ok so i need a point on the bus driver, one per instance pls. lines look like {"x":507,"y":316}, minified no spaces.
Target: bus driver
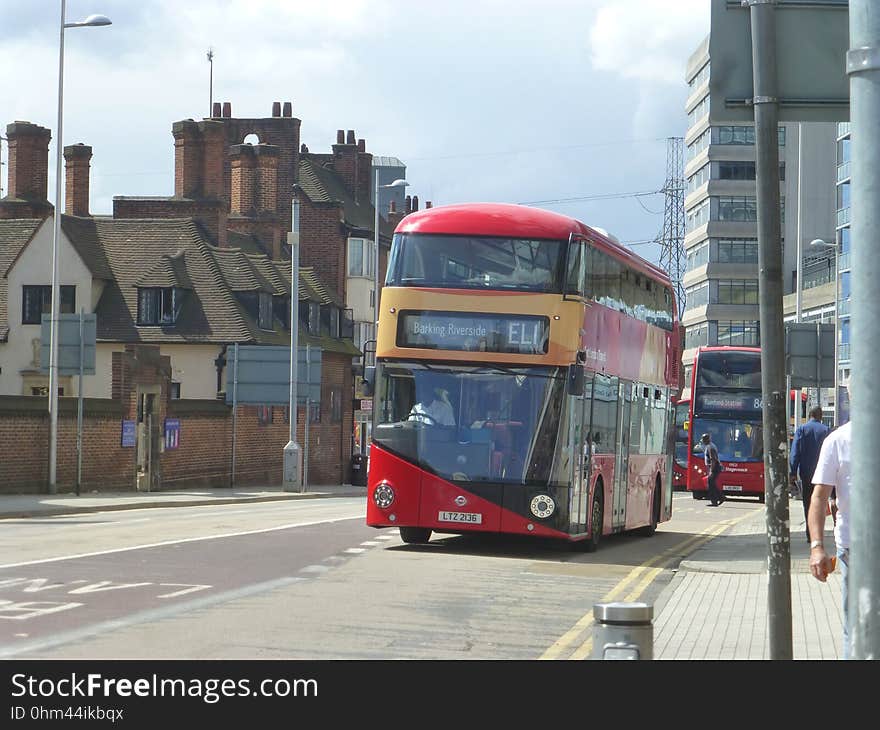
{"x":437,"y":413}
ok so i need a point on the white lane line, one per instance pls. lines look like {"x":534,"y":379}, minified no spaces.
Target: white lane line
{"x":355,"y":551}
{"x":153,"y":614}
{"x":369,"y":543}
{"x":315,"y":569}
{"x":178,"y":542}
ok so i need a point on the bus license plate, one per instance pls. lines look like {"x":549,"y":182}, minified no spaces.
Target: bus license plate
{"x":473,"y":518}
{"x":733,"y":488}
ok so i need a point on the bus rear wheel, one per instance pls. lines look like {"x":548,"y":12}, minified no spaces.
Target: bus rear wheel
{"x":597,"y":519}
{"x":651,"y":528}
{"x":415,"y":535}
{"x":698,"y":495}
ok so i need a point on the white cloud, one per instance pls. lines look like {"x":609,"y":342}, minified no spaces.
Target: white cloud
{"x":649,"y":41}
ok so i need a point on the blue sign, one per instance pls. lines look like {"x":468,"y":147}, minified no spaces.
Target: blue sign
{"x":129,"y":434}
{"x":172,"y":433}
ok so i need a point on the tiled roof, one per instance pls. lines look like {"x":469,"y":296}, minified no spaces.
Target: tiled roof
{"x":169,"y":271}
{"x":131,"y":253}
{"x":247,"y":242}
{"x":324,"y":185}
{"x":14,"y":236}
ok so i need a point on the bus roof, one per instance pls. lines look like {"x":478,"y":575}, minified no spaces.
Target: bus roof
{"x":516,"y":221}
{"x":727,"y":348}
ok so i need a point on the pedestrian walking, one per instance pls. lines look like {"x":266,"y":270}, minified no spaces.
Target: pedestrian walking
{"x":804,"y":455}
{"x":713,"y":469}
{"x":832,"y":474}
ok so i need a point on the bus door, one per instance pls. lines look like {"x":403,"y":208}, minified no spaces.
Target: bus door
{"x":579,"y":479}
{"x":621,"y":464}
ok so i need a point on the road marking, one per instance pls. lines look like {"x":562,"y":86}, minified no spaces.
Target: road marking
{"x":315,"y":569}
{"x":153,"y":614}
{"x":370,"y":543}
{"x":32,"y":609}
{"x":355,"y":551}
{"x":189,"y":588}
{"x":178,"y":542}
{"x":666,"y":558}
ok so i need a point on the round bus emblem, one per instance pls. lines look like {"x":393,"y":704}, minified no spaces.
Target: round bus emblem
{"x":461,"y":500}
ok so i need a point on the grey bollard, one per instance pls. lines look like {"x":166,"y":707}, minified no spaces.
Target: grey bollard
{"x":623,"y":631}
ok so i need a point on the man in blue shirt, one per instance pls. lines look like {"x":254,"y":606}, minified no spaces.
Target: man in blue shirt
{"x":805,"y":454}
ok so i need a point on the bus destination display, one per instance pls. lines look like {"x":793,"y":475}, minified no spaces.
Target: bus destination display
{"x":474,"y":332}
{"x":723,"y":402}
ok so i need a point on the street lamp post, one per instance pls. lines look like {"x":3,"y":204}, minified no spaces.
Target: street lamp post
{"x":399,"y":183}
{"x":91,"y":21}
{"x":818,"y":242}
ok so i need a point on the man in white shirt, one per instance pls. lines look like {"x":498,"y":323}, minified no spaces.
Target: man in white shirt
{"x":437,"y":413}
{"x":832,"y":473}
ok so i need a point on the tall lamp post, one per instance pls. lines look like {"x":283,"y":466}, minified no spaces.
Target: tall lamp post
{"x":399,"y":183}
{"x":91,"y":21}
{"x":819,"y":243}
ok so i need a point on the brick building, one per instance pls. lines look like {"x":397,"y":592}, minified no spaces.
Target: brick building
{"x":189,"y":274}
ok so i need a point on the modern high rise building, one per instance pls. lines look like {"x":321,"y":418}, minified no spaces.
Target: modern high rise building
{"x":721,"y":239}
{"x":844,"y":283}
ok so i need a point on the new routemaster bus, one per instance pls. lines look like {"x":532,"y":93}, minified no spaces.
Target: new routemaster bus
{"x":525,"y":366}
{"x":680,"y":457}
{"x":726,"y":403}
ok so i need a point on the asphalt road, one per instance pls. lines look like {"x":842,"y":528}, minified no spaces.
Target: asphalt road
{"x":309,"y":580}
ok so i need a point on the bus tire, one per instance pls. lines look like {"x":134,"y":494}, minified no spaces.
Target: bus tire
{"x":597,"y":518}
{"x":415,"y":535}
{"x":698,"y":495}
{"x":651,"y":528}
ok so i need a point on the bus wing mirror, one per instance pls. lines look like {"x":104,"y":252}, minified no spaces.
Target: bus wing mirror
{"x":576,"y":380}
{"x":369,"y":380}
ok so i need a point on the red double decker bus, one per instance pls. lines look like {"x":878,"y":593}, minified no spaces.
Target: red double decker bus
{"x":726,"y":403}
{"x":682,"y":444}
{"x":524,"y":380}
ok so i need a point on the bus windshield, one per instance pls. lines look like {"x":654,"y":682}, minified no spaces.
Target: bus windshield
{"x":476,"y":262}
{"x":729,"y":370}
{"x":489,"y":424}
{"x":737,"y":440}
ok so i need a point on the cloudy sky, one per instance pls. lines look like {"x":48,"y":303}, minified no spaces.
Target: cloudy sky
{"x":525,"y":101}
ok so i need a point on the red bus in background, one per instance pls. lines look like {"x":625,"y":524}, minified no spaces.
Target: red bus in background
{"x":680,"y":458}
{"x":525,"y":369}
{"x":726,"y":403}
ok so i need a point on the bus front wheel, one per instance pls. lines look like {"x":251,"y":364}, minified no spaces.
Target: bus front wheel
{"x":651,"y":527}
{"x":415,"y":535}
{"x":698,"y":495}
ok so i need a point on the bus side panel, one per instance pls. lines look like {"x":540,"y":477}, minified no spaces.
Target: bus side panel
{"x":639,"y":502}
{"x":404,"y":478}
{"x":603,"y":468}
{"x":517,"y":515}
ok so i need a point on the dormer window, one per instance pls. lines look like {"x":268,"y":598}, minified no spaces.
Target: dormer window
{"x":265,"y":313}
{"x":158,"y":305}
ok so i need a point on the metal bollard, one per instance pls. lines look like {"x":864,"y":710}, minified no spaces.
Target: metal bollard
{"x":623,"y":631}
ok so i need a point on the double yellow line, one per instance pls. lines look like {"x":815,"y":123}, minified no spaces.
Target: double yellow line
{"x":644,"y":574}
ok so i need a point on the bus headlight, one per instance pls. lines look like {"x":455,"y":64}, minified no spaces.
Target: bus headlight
{"x":383,"y":496}
{"x":542,"y":506}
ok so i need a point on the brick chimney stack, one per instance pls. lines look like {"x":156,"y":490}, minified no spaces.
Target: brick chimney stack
{"x":77,"y":160}
{"x":345,"y":161}
{"x":28,"y":176}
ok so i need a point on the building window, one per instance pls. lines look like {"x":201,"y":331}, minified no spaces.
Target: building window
{"x":699,"y":144}
{"x":37,"y":301}
{"x":743,"y":208}
{"x":157,"y":306}
{"x":698,"y":256}
{"x":699,"y":111}
{"x":736,"y":170}
{"x":737,"y":251}
{"x":175,"y":391}
{"x":746,"y":333}
{"x":697,"y":296}
{"x":314,"y":412}
{"x":334,"y":322}
{"x":696,"y":335}
{"x":265,"y":311}
{"x":688,"y":374}
{"x":701,"y":78}
{"x":361,"y":253}
{"x":697,"y":216}
{"x":698,"y":179}
{"x":737,"y":291}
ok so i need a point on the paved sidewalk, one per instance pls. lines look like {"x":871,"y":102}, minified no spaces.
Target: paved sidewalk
{"x":716,"y":605}
{"x":33,"y":505}
{"x":714,"y":608}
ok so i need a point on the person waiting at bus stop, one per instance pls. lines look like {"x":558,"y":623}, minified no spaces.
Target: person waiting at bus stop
{"x":805,"y":454}
{"x":713,"y":469}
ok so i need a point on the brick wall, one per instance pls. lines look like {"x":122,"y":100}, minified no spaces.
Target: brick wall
{"x":322,"y":242}
{"x":204,"y":454}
